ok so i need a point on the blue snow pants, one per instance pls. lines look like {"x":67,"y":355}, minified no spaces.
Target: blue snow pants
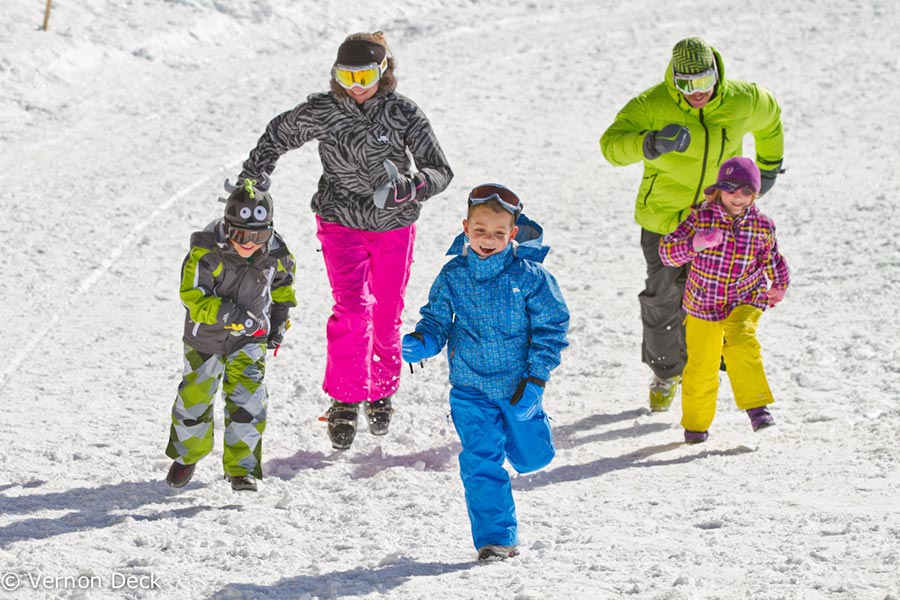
{"x":489,"y":433}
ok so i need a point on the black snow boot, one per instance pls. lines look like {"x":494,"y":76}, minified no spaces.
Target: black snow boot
{"x":342,"y":417}
{"x":180,"y":475}
{"x":378,"y":414}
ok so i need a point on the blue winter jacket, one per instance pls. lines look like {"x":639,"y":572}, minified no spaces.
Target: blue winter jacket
{"x":503,"y":317}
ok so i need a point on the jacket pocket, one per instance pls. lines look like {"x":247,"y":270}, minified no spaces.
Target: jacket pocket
{"x":514,"y":320}
{"x":649,"y":182}
{"x":694,"y":293}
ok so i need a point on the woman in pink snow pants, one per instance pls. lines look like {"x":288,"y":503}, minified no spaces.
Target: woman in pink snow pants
{"x":381,"y":161}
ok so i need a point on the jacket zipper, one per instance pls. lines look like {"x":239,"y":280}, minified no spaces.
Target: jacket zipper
{"x":705,"y":157}
{"x":722,"y":149}
{"x":729,"y":276}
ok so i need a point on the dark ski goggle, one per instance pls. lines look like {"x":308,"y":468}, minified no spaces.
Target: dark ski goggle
{"x":249,"y":236}
{"x":494,"y":191}
{"x":735,"y":186}
{"x":699,"y":83}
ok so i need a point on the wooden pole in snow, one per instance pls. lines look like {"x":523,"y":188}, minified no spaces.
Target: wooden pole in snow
{"x":47,"y":14}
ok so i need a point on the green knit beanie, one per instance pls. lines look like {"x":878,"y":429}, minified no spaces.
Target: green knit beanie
{"x":691,"y":56}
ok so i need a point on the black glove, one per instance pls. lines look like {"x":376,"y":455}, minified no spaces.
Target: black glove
{"x":279,"y":323}
{"x":276,"y":336}
{"x":671,"y":138}
{"x":399,"y":189}
{"x":767,"y":179}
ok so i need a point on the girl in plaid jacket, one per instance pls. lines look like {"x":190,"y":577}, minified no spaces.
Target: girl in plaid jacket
{"x":736,"y":273}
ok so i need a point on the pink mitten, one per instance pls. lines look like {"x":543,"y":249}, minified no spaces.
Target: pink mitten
{"x":775,"y":295}
{"x":708,"y":238}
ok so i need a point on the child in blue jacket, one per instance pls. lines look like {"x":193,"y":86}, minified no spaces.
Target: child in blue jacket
{"x":504,"y":321}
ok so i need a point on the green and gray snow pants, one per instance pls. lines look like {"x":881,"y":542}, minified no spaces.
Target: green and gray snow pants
{"x":191,"y":435}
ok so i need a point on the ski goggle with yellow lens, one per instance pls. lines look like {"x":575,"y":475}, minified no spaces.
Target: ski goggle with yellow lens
{"x":694,"y":84}
{"x":365,"y":76}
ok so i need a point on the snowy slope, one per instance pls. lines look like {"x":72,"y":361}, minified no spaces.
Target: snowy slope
{"x":117,"y":128}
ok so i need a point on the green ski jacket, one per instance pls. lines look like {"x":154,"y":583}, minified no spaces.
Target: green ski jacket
{"x":674,"y":182}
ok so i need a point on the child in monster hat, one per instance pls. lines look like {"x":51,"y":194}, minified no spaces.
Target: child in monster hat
{"x":237,"y":288}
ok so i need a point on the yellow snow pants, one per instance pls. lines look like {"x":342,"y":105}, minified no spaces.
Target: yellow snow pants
{"x":735,"y":340}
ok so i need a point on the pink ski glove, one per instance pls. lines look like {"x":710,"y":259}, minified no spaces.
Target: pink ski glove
{"x":775,"y":295}
{"x":708,"y":238}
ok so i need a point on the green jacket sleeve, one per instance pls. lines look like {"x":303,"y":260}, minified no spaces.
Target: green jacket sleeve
{"x":197,"y":281}
{"x":283,"y":282}
{"x":767,"y":130}
{"x":621,"y":142}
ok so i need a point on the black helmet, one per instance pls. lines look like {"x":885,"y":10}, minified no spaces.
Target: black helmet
{"x":248,"y":212}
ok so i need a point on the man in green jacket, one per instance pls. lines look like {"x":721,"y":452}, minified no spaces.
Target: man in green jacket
{"x":682,"y":129}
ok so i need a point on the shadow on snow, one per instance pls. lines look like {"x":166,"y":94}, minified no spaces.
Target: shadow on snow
{"x":602,"y":466}
{"x":368,"y":464}
{"x":360,"y":581}
{"x":92,"y":508}
{"x":568,"y":436}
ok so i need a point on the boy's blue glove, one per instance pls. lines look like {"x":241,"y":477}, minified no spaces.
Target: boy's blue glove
{"x":417,"y":347}
{"x":528,"y":398}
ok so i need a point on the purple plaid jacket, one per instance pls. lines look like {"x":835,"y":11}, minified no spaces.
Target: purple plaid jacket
{"x":732,"y":273}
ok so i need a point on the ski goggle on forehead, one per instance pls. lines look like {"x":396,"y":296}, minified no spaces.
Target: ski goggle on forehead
{"x":249,"y":236}
{"x":365,"y":76}
{"x":494,"y":191}
{"x":699,"y":83}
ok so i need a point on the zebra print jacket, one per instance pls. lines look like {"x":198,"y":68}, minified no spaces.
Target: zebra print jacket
{"x":354,"y":142}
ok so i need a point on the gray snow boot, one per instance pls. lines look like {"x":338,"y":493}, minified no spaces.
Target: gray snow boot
{"x":241,"y":483}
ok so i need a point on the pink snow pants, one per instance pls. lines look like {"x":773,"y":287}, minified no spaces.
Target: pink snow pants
{"x":368,"y":272}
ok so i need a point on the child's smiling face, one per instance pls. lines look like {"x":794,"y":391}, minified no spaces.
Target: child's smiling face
{"x":245,"y":250}
{"x":736,"y":202}
{"x":489,"y":232}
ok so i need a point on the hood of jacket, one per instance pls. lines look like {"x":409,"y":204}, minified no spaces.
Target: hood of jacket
{"x":528,"y":243}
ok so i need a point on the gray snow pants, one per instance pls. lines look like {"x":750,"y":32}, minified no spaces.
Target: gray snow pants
{"x":663,"y":347}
